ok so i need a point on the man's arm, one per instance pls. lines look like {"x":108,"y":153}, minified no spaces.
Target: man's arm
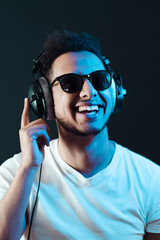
{"x":33,"y":138}
{"x":151,"y":236}
{"x":14,"y":203}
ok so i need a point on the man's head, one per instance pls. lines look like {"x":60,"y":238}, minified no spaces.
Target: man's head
{"x":73,"y":53}
{"x":84,"y":112}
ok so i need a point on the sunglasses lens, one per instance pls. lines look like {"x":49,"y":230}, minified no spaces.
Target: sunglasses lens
{"x":71,"y":83}
{"x":101,"y":80}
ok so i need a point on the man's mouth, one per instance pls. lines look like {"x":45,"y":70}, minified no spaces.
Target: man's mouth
{"x":88,"y":109}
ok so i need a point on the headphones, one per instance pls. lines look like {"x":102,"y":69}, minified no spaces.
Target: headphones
{"x":40,"y":95}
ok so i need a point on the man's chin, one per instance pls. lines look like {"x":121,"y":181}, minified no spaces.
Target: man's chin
{"x":73,"y":130}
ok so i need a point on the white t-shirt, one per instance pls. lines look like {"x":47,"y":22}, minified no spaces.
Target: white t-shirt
{"x":120,"y":202}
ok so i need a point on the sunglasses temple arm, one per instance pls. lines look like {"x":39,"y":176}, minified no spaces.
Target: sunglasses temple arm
{"x":51,"y":84}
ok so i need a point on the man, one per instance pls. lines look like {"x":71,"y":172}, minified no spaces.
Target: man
{"x":90,"y":187}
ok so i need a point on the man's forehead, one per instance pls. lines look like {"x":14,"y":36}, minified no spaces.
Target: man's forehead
{"x":72,"y":61}
{"x":74,"y":55}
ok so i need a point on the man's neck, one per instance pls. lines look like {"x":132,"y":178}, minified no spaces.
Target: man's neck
{"x":86,"y":154}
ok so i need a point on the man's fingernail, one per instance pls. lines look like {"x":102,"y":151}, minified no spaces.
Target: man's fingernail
{"x":25,"y":100}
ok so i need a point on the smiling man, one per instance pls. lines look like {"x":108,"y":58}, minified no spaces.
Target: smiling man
{"x":81,"y":185}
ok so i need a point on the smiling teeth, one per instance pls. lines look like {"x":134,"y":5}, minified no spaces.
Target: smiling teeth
{"x":88,"y":108}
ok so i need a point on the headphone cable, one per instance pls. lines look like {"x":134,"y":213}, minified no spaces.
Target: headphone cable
{"x":30,"y":225}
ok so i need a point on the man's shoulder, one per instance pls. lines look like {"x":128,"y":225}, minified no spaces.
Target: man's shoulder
{"x":13,"y":161}
{"x":142,"y":173}
{"x":135,"y":159}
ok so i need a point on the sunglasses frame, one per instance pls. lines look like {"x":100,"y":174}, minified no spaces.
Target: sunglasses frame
{"x":83,"y":78}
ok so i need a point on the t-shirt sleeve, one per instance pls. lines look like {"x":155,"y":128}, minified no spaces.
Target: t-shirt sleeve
{"x":153,"y":215}
{"x":7,"y":173}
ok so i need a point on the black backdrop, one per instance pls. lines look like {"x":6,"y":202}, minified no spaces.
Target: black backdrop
{"x":130,"y":34}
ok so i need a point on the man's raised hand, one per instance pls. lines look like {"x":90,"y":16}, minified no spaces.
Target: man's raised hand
{"x":33,"y":137}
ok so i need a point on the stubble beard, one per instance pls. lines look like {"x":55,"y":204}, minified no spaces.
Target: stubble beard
{"x":73,"y":130}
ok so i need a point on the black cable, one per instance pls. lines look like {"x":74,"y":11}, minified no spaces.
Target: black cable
{"x":30,"y":225}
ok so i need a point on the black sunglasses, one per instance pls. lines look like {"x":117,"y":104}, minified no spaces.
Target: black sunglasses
{"x":72,"y":82}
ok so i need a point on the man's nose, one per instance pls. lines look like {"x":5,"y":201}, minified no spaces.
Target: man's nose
{"x":87,"y":91}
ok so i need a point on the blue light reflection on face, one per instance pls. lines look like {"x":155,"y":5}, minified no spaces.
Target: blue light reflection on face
{"x":83,"y":63}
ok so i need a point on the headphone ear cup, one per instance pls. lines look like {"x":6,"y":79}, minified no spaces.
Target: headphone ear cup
{"x":120,"y":92}
{"x":48,"y":98}
{"x":113,"y":96}
{"x":40,"y":99}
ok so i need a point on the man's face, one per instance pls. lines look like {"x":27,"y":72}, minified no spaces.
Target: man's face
{"x":71,"y":110}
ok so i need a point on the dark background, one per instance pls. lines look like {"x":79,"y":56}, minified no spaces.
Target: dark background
{"x":130,"y":34}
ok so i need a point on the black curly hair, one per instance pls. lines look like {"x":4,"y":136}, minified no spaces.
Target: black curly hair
{"x":64,"y":41}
